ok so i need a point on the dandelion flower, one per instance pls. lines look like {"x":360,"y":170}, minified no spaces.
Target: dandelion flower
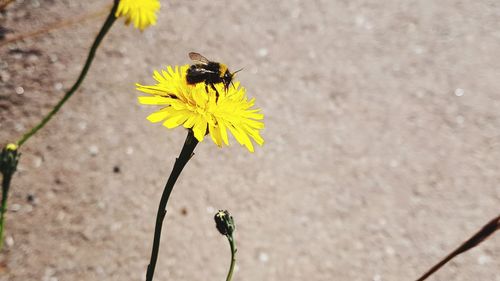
{"x":205,"y":113}
{"x":141,"y":12}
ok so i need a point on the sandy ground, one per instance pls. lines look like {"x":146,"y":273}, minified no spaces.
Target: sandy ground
{"x":382,"y":142}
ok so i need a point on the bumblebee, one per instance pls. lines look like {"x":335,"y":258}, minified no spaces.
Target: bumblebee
{"x":209,"y":72}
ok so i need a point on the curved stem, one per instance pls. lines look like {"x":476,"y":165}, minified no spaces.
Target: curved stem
{"x":232,"y":245}
{"x":485,"y":232}
{"x":180,"y":162}
{"x":5,"y":192}
{"x":104,"y":29}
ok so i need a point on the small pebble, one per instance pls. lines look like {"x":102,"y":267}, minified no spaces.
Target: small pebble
{"x":50,"y":194}
{"x":263,"y":52}
{"x":418,"y":50}
{"x":58,"y":86}
{"x":37,"y":162}
{"x":482,"y":260}
{"x":9,"y":241}
{"x":360,"y":20}
{"x":93,"y":150}
{"x":115,"y":226}
{"x":101,"y":205}
{"x":263,"y":257}
{"x":15,"y":207}
{"x":32,"y":58}
{"x":49,"y":271}
{"x":116,"y":169}
{"x":60,"y":216}
{"x":19,"y":127}
{"x":100,"y":270}
{"x":31,"y":198}
{"x":53,"y":58}
{"x":4,"y":76}
{"x":82,"y":125}
{"x":390,"y":251}
{"x":459,"y":92}
{"x":19,"y":90}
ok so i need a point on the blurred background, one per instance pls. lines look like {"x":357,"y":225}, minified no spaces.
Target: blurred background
{"x":381,"y":156}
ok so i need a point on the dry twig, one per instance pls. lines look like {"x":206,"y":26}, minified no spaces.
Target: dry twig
{"x":54,"y":26}
{"x":472,"y":242}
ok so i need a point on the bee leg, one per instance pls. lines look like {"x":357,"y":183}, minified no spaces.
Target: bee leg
{"x":216,"y":92}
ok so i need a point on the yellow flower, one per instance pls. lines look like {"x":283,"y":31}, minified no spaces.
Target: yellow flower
{"x":141,"y":12}
{"x":204,"y":113}
{"x":11,"y":146}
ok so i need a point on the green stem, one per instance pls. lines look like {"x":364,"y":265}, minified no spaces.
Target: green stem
{"x":5,"y":192}
{"x":180,"y":162}
{"x":104,"y":29}
{"x":232,"y":245}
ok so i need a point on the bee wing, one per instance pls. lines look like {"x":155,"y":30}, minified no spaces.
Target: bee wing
{"x":198,"y":58}
{"x":199,"y":68}
{"x":203,"y":70}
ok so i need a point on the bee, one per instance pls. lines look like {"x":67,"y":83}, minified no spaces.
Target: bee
{"x":209,"y":72}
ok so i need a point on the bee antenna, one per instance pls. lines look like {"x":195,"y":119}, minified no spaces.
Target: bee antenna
{"x":237,"y":71}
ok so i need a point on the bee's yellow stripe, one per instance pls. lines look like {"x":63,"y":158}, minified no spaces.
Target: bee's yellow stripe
{"x":222,"y":69}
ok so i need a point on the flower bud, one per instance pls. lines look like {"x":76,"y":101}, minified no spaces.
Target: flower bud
{"x":224,"y":222}
{"x":9,"y":156}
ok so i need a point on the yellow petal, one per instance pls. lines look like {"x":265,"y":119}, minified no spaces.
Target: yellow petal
{"x":175,"y":121}
{"x":215,"y":134}
{"x":155,"y":100}
{"x":157,"y":116}
{"x":200,"y":129}
{"x":191,"y":120}
{"x":241,"y":138}
{"x":223,"y":132}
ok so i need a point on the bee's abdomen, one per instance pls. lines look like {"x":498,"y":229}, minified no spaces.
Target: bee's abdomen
{"x":194,"y":76}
